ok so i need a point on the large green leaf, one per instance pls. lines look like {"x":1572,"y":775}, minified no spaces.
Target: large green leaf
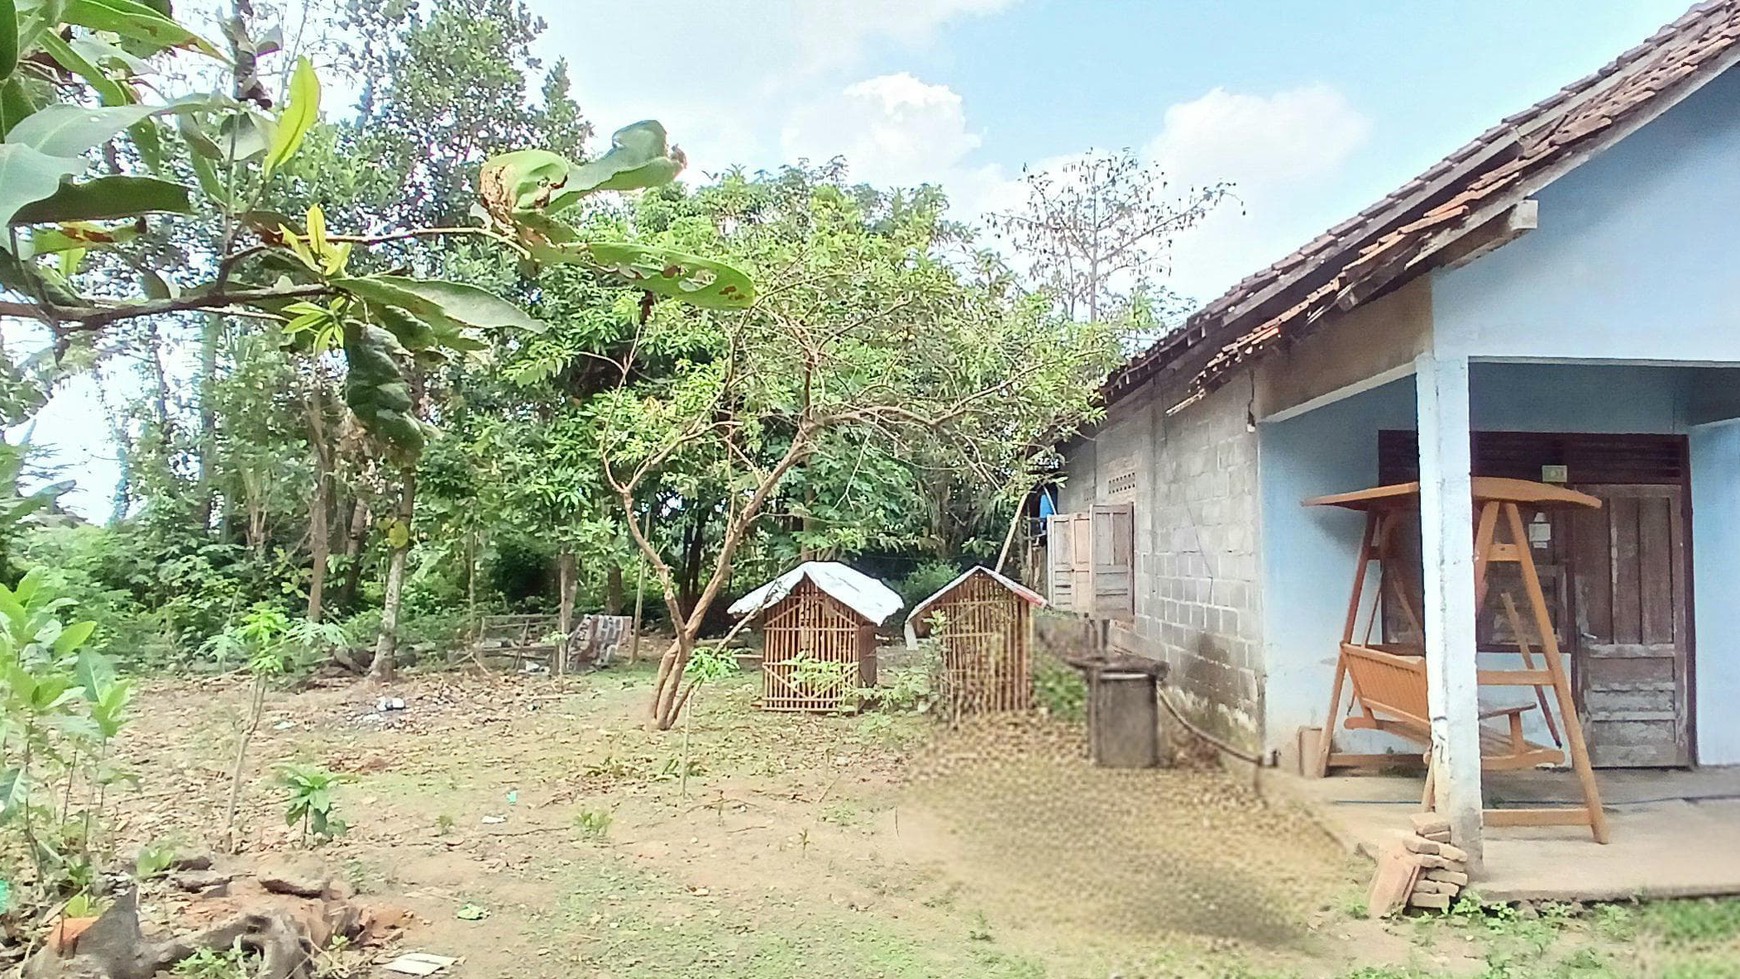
{"x":27,"y":176}
{"x":15,"y":104}
{"x":300,"y":113}
{"x":521,"y":181}
{"x":69,"y":130}
{"x":697,"y":281}
{"x":110,"y":91}
{"x":441,"y":303}
{"x":8,"y":39}
{"x":139,"y":21}
{"x":639,"y":157}
{"x":106,"y":199}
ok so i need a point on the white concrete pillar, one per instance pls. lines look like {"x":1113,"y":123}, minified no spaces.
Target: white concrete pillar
{"x":1447,"y":549}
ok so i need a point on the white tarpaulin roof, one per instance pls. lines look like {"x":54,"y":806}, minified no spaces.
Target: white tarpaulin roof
{"x":854,"y":589}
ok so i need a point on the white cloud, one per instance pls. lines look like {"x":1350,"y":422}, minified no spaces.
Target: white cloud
{"x":1281,"y":152}
{"x":835,"y":33}
{"x":893,"y":129}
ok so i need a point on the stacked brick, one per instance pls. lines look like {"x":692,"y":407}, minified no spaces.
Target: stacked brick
{"x":1423,"y":870}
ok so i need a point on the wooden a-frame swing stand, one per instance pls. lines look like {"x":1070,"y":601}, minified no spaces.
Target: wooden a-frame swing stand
{"x":1388,"y":681}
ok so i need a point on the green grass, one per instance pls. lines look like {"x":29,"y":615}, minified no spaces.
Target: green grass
{"x":639,"y":925}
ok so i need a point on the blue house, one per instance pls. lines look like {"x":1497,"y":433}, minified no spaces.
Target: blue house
{"x":1558,"y":300}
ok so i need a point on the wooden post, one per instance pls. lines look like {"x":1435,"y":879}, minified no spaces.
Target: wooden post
{"x":639,"y":607}
{"x":1447,"y":550}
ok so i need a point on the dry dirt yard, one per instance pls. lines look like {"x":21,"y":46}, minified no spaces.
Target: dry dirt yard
{"x":764,"y":845}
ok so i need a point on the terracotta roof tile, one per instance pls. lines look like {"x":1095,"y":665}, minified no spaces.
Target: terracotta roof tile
{"x":1393,"y":237}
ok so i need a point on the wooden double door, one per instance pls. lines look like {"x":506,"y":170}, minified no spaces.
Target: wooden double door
{"x":1618,"y":580}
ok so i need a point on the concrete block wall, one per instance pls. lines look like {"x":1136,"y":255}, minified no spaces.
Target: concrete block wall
{"x":1198,"y":601}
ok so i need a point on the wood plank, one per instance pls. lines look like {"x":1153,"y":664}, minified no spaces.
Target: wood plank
{"x":1515,"y":678}
{"x":1574,"y":816}
{"x":1627,"y":604}
{"x":1655,"y":569}
{"x":1592,"y":573}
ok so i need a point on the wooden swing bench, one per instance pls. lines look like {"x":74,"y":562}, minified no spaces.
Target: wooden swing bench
{"x":1389,"y":689}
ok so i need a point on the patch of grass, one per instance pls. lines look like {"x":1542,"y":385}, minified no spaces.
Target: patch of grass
{"x":593,"y":824}
{"x":1691,"y":922}
{"x":640,"y":925}
{"x":842,"y":814}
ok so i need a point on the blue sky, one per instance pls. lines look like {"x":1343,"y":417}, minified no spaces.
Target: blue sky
{"x":1312,"y":108}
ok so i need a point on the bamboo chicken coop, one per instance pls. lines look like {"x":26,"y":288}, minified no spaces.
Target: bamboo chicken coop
{"x":984,"y":624}
{"x":818,"y":625}
{"x":1388,"y":680}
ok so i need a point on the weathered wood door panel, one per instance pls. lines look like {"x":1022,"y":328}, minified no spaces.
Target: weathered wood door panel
{"x":1629,"y":574}
{"x":1093,"y":561}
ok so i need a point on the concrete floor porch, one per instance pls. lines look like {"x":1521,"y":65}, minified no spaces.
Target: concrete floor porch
{"x":1674,"y":833}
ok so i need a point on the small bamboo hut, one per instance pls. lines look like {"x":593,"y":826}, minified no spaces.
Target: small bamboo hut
{"x":819,"y":627}
{"x":987,"y":640}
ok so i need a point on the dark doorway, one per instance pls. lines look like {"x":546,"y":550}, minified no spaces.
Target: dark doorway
{"x":1618,"y":579}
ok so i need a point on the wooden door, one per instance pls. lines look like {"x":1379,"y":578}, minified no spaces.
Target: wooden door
{"x":1633,"y":634}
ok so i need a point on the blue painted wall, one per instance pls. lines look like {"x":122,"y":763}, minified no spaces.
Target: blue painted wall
{"x":1715,"y":453}
{"x":1309,"y":552}
{"x":1634,"y":259}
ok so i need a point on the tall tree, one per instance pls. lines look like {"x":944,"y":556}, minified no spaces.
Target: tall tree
{"x":1098,"y":232}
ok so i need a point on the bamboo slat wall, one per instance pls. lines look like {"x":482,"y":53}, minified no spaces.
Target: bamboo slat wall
{"x":987,"y":640}
{"x":816,"y":652}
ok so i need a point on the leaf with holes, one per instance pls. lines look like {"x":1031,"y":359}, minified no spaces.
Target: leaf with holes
{"x":697,"y":281}
{"x":104,"y":199}
{"x":639,"y":157}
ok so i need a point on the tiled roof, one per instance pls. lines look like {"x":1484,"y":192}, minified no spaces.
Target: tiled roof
{"x":1411,"y":230}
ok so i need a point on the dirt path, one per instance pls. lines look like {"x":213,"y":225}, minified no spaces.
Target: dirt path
{"x":795,"y":846}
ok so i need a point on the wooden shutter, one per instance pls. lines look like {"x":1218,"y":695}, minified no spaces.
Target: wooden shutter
{"x":1114,"y":558}
{"x":1092,"y":558}
{"x":1069,"y":541}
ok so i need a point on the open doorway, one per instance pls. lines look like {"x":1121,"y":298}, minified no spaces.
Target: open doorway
{"x":1618,"y":579}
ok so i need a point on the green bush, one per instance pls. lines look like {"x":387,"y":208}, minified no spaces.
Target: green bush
{"x":1059,"y":688}
{"x":926,"y":580}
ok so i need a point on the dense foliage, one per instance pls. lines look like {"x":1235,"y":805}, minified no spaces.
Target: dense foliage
{"x":396,"y":365}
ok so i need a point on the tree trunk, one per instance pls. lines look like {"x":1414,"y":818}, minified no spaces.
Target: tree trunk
{"x":613,"y":590}
{"x":319,"y":535}
{"x":565,"y":574}
{"x":206,"y":491}
{"x":387,"y":643}
{"x":355,"y":537}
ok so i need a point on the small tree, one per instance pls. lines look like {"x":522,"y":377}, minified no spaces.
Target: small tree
{"x":1097,"y":233}
{"x":864,"y":335}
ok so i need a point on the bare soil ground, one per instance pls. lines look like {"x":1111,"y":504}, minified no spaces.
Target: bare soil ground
{"x":766,"y":845}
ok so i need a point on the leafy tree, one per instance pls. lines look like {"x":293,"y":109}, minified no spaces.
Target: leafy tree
{"x":868,"y":336}
{"x":192,"y":179}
